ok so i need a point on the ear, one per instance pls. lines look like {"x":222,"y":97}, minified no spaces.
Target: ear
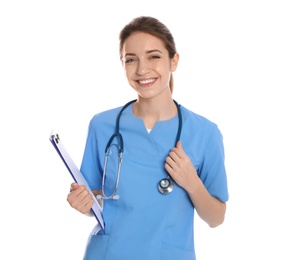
{"x":174,"y":62}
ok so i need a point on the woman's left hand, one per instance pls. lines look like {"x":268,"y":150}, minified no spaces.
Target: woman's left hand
{"x":180,"y":168}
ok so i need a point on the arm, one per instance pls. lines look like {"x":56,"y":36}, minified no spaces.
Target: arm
{"x":210,"y":209}
{"x":181,"y":169}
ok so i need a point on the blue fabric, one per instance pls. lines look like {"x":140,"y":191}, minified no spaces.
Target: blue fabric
{"x":144,"y":224}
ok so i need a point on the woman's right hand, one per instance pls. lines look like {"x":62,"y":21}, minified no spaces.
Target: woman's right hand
{"x":79,"y":198}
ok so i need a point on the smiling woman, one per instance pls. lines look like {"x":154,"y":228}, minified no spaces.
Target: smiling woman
{"x":148,"y":65}
{"x":160,"y":140}
{"x":60,"y":64}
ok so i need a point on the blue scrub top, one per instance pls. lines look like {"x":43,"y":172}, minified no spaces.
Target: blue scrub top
{"x":143,"y":223}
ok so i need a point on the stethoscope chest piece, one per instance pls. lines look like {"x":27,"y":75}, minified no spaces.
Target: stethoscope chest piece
{"x":166,"y":185}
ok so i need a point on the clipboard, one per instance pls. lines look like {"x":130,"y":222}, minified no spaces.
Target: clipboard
{"x":76,"y":175}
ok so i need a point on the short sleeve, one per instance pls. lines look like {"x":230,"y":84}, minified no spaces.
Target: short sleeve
{"x":213,"y":172}
{"x":90,"y":166}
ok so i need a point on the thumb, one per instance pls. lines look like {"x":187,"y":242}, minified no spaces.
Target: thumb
{"x":179,"y":144}
{"x":74,"y":186}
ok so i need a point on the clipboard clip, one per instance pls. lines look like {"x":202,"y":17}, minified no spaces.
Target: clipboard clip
{"x":55,"y":137}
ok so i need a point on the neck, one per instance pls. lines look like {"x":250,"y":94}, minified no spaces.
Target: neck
{"x":151,"y":111}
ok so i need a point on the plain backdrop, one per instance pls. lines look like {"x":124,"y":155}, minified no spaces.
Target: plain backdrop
{"x":59,"y":65}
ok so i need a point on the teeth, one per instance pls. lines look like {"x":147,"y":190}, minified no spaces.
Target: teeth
{"x":146,"y":81}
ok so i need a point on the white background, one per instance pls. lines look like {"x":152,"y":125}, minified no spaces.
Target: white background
{"x":59,"y":65}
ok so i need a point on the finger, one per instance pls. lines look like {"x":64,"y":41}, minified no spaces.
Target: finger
{"x":76,"y":194}
{"x":74,"y":186}
{"x":85,"y":204}
{"x":179,"y":149}
{"x":169,"y":169}
{"x":80,"y":200}
{"x":87,"y":208}
{"x":81,"y":192}
{"x":174,"y":155}
{"x":169,"y":161}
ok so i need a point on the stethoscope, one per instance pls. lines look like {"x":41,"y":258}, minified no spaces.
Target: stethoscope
{"x":165,"y":185}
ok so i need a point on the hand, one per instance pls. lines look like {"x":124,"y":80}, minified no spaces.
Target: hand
{"x":180,"y":168}
{"x":79,"y":198}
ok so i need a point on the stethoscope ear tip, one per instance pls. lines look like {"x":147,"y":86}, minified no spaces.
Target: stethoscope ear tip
{"x":99,"y":197}
{"x":116,"y":197}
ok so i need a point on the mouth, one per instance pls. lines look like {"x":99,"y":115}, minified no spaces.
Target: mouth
{"x":146,"y":82}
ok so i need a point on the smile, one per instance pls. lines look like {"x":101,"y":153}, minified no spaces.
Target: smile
{"x":146,"y":81}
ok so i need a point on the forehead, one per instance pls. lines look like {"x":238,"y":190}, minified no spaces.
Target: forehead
{"x":142,"y":42}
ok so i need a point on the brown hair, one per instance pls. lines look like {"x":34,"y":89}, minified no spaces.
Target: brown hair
{"x":154,"y":27}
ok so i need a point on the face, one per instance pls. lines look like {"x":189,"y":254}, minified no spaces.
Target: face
{"x":147,"y":64}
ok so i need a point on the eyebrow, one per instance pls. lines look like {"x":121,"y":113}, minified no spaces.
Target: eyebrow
{"x":150,"y":51}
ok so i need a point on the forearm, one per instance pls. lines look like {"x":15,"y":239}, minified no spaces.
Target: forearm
{"x":210,"y":209}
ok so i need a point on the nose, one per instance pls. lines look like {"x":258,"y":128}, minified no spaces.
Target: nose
{"x":143,"y":67}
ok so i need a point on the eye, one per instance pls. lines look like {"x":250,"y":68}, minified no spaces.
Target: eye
{"x":153,"y":57}
{"x":129,"y":60}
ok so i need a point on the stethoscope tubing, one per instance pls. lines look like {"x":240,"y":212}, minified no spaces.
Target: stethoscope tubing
{"x":165,"y":186}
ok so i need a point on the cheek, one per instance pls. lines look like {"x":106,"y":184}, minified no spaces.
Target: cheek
{"x":164,"y":71}
{"x":162,"y":67}
{"x":128,"y":74}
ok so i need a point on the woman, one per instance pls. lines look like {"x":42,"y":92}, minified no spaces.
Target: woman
{"x":161,"y":140}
